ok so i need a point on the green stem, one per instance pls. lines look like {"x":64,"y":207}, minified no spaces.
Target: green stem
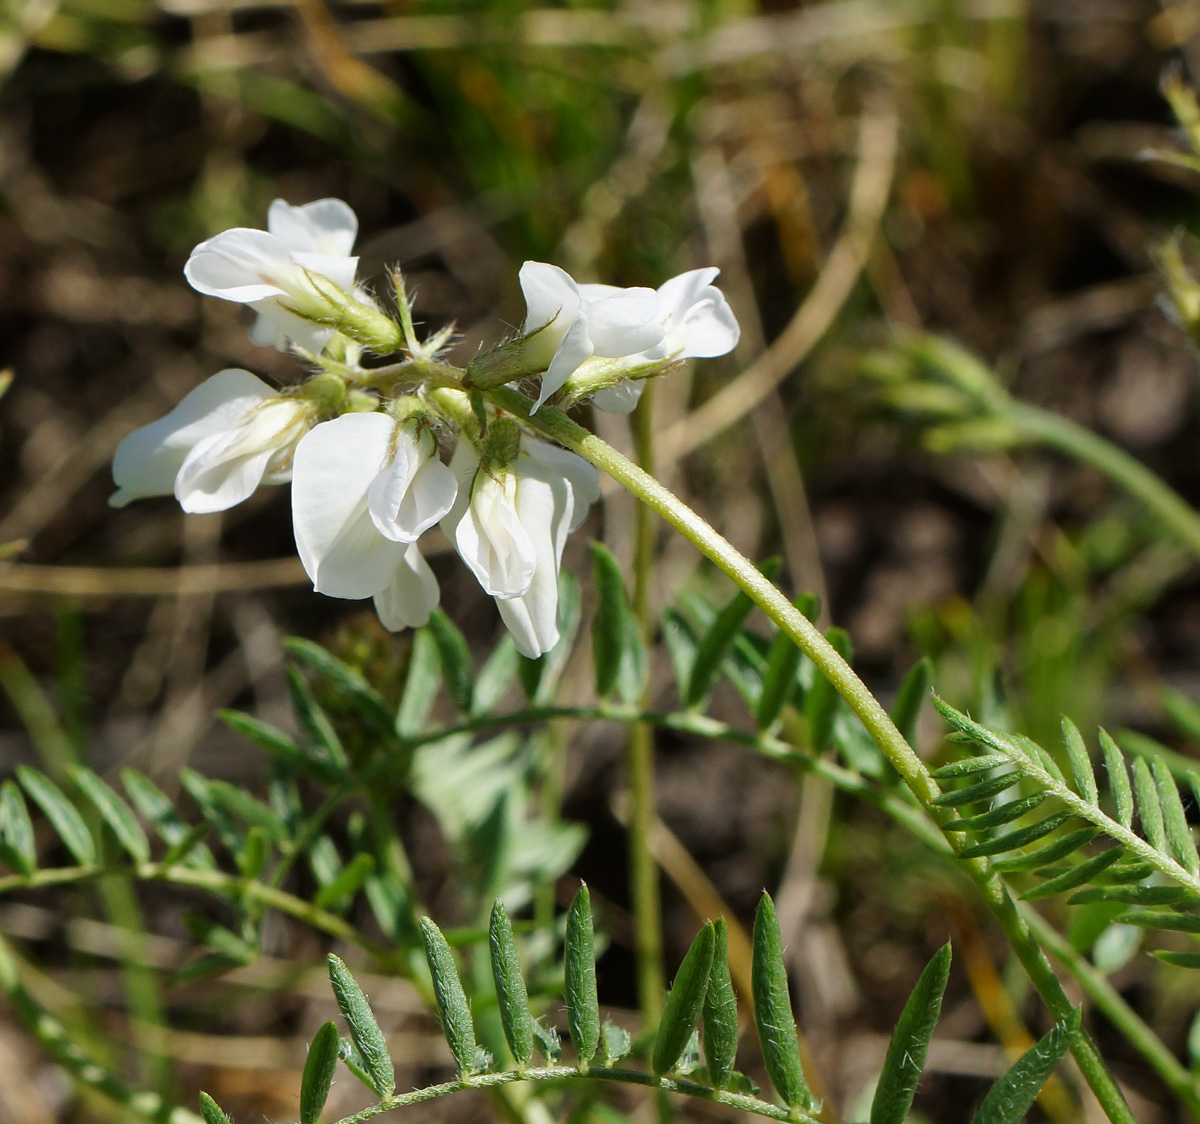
{"x":1037,"y":425}
{"x":1177,"y":1077}
{"x":555,"y":424}
{"x":639,"y":756}
{"x":597,"y":1073}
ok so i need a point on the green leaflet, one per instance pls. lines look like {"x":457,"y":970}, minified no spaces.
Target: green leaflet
{"x":324,"y":744}
{"x":277,"y":744}
{"x":970,"y":765}
{"x":1050,"y":853}
{"x":1013,"y":1094}
{"x":16,"y":830}
{"x":1179,"y":834}
{"x":114,"y":811}
{"x":154,"y":806}
{"x":1020,"y":838}
{"x":455,"y":658}
{"x":910,"y":1041}
{"x":350,"y":684}
{"x":1003,"y":814}
{"x":1081,"y":763}
{"x":420,"y":685}
{"x":823,"y":702}
{"x":773,"y":1010}
{"x":494,"y":677}
{"x":337,"y":892}
{"x":1118,"y":779}
{"x":779,"y":682}
{"x":364,"y":1030}
{"x":319,"y":1068}
{"x":719,"y":639}
{"x":1161,"y":919}
{"x":511,"y":995}
{"x":983,"y":790}
{"x":211,"y":1111}
{"x":1076,"y":876}
{"x":618,"y":652}
{"x":1150,"y":812}
{"x":1178,"y":959}
{"x":583,"y":1006}
{"x":451,"y":999}
{"x":906,"y":710}
{"x":720,"y":1012}
{"x":61,"y":813}
{"x":684,"y":1002}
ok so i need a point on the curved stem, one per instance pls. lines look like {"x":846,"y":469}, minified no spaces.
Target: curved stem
{"x":1048,"y":428}
{"x":598,"y":1073}
{"x":870,"y":712}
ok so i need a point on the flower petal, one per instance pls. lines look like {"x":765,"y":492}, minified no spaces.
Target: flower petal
{"x":148,"y":460}
{"x":332,"y":470}
{"x":574,"y":349}
{"x":545,"y":504}
{"x":412,"y":493}
{"x":550,"y":295}
{"x":624,"y":323}
{"x":491,"y":539}
{"x":678,"y":294}
{"x":412,"y":594}
{"x":621,"y":397}
{"x":583,"y":479}
{"x":325,"y":226}
{"x":211,"y":478}
{"x":239,"y":265}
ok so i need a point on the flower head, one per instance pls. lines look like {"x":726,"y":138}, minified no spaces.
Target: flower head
{"x":230,"y":434}
{"x":282,"y":268}
{"x":364,"y":488}
{"x":510,"y":524}
{"x":566,"y":323}
{"x":697,"y":324}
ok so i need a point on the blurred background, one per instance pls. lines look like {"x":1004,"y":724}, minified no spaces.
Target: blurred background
{"x":968,"y":167}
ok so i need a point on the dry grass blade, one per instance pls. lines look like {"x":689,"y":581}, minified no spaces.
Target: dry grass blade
{"x":149,"y":581}
{"x":877,"y":143}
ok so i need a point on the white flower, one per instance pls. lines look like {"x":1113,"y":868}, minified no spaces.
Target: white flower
{"x":267,"y":269}
{"x":230,"y":434}
{"x":697,"y":324}
{"x":567,"y":323}
{"x":364,"y":488}
{"x":510,"y":526}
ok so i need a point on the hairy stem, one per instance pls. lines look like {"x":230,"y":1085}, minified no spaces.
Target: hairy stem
{"x":599,"y":1073}
{"x":870,"y":712}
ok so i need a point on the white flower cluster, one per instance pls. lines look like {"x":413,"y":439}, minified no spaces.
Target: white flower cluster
{"x":361,"y":445}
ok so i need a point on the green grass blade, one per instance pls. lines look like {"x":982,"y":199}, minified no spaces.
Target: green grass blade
{"x":910,"y":1041}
